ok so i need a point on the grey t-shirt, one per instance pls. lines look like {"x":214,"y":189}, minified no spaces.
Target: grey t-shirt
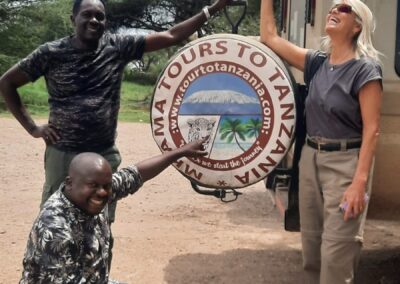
{"x":84,"y":87}
{"x":332,"y":105}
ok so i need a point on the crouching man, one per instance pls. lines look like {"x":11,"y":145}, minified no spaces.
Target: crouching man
{"x":69,"y":240}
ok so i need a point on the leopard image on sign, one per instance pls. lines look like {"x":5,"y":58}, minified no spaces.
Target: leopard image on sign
{"x":234,"y":90}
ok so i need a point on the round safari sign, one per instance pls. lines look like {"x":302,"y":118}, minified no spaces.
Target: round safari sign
{"x":234,"y":90}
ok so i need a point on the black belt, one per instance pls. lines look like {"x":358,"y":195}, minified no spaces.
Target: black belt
{"x":332,"y":146}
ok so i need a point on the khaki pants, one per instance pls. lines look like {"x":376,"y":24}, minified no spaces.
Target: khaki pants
{"x":56,"y":164}
{"x":331,"y":246}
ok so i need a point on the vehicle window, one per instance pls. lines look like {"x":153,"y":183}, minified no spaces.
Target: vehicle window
{"x":297,"y":22}
{"x":311,"y":12}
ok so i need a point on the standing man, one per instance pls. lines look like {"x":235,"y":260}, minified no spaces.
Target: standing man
{"x":83,"y":73}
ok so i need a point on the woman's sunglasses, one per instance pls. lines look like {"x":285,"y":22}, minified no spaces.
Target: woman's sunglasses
{"x":342,"y":8}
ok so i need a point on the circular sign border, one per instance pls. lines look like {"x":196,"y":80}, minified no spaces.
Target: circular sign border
{"x":278,"y":62}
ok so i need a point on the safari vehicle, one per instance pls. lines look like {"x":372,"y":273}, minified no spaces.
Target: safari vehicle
{"x":303,"y":22}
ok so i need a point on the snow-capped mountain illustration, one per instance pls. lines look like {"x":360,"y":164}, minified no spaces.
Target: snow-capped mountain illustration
{"x":220,"y":102}
{"x":220,"y":97}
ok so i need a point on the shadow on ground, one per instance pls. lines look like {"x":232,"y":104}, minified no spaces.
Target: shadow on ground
{"x":272,"y":266}
{"x":236,"y":267}
{"x":380,"y":266}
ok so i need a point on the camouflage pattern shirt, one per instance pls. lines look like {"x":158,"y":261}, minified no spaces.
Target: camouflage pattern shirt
{"x":68,"y":246}
{"x":84,"y":87}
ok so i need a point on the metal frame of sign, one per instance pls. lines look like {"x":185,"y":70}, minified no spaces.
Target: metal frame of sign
{"x":397,"y":52}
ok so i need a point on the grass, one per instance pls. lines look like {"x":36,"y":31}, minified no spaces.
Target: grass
{"x":135,"y":101}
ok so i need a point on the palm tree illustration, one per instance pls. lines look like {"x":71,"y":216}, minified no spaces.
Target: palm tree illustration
{"x":253,"y":127}
{"x":232,"y":129}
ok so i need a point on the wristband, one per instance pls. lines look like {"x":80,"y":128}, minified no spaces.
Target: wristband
{"x":206,"y":13}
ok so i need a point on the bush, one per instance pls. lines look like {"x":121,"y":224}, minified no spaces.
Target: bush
{"x":143,"y":78}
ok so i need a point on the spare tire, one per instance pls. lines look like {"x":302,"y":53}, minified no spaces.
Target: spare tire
{"x":237,"y":91}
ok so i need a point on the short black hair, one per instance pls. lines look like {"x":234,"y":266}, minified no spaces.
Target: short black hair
{"x":77,"y":5}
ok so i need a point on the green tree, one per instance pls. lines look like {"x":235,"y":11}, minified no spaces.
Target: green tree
{"x":231,"y":130}
{"x":28,"y":24}
{"x":155,"y":15}
{"x":253,"y":127}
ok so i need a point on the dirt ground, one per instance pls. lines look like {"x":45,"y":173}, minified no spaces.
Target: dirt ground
{"x":167,"y":233}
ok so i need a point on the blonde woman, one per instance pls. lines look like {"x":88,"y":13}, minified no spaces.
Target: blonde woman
{"x":342,"y":119}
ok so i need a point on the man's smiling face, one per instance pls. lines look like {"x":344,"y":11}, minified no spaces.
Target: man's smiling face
{"x":88,"y":185}
{"x":90,"y":21}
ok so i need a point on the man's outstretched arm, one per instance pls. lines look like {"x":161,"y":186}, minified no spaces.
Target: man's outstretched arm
{"x":128,"y":180}
{"x":151,"y":167}
{"x":183,"y":30}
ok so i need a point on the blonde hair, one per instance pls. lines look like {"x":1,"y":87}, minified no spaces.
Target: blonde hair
{"x":363,"y":40}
